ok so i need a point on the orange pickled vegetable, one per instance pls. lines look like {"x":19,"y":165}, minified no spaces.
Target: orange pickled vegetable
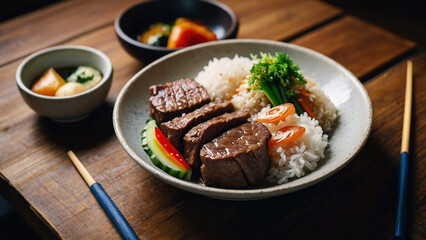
{"x":306,"y":105}
{"x":304,"y":92}
{"x":48,"y":83}
{"x":186,"y":33}
{"x":183,"y":19}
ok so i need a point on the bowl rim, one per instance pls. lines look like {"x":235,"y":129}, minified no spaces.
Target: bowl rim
{"x":105,"y":78}
{"x":128,"y":39}
{"x":241,"y":194}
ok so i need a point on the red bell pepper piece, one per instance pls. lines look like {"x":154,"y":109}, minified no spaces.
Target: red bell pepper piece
{"x":186,"y":33}
{"x":170,"y":149}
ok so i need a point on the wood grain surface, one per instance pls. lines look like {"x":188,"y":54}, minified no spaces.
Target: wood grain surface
{"x":46,"y":27}
{"x":359,"y":46}
{"x":55,"y":25}
{"x":281,"y":20}
{"x":387,"y":94}
{"x":356,"y":203}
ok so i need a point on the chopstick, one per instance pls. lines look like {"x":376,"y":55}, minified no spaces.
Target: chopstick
{"x":403,"y":161}
{"x":110,"y":208}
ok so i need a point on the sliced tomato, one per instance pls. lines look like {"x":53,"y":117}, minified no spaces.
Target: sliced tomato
{"x":286,"y":134}
{"x":170,"y":149}
{"x":277,"y":113}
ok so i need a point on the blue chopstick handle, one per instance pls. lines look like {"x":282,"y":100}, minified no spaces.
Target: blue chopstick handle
{"x":402,"y":196}
{"x":120,"y":222}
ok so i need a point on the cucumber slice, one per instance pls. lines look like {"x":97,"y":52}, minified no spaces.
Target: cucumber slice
{"x":87,"y":76}
{"x":157,"y":155}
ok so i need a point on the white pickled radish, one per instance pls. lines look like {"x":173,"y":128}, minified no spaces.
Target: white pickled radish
{"x":69,"y":89}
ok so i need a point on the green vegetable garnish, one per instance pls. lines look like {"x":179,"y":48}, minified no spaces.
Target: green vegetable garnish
{"x":275,"y":75}
{"x":82,"y":78}
{"x":86,"y":75}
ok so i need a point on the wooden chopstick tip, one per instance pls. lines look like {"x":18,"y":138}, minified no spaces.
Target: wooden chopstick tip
{"x":81,"y":169}
{"x":409,"y":69}
{"x":70,"y":153}
{"x":407,"y":108}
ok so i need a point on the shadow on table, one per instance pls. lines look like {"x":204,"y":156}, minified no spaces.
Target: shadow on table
{"x":89,"y":132}
{"x":19,"y":7}
{"x":13,"y":226}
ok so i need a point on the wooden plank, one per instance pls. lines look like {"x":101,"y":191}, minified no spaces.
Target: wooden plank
{"x":158,"y":211}
{"x":359,"y":46}
{"x":33,"y":159}
{"x":21,"y":206}
{"x":46,"y":27}
{"x":387,"y":94}
{"x":61,"y":195}
{"x":54,"y":25}
{"x":280,"y":20}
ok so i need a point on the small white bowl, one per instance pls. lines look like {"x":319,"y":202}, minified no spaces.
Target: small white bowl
{"x":71,"y":108}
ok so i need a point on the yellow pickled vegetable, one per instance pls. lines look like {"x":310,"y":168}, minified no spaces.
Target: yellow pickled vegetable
{"x":48,"y":83}
{"x":69,"y":89}
{"x":156,"y":34}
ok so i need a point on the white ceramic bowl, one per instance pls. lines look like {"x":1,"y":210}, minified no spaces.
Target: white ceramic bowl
{"x":344,"y":89}
{"x":64,"y":109}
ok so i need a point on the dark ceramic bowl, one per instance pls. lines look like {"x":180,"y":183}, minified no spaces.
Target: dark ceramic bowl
{"x":134,"y":20}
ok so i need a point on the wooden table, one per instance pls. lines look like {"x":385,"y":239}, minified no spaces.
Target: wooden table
{"x":358,"y":202}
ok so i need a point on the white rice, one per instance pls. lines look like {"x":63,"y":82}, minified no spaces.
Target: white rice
{"x":221,"y":77}
{"x":252,"y":101}
{"x":301,"y":156}
{"x":323,"y":108}
{"x":225,"y":78}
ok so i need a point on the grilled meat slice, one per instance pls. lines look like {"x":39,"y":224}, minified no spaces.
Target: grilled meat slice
{"x":238,"y":158}
{"x":171,"y":100}
{"x":206,"y":131}
{"x":176,"y":128}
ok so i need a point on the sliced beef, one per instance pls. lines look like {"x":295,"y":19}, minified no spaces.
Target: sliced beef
{"x":206,"y":131}
{"x":238,"y":158}
{"x":171,"y":100}
{"x":176,"y":128}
